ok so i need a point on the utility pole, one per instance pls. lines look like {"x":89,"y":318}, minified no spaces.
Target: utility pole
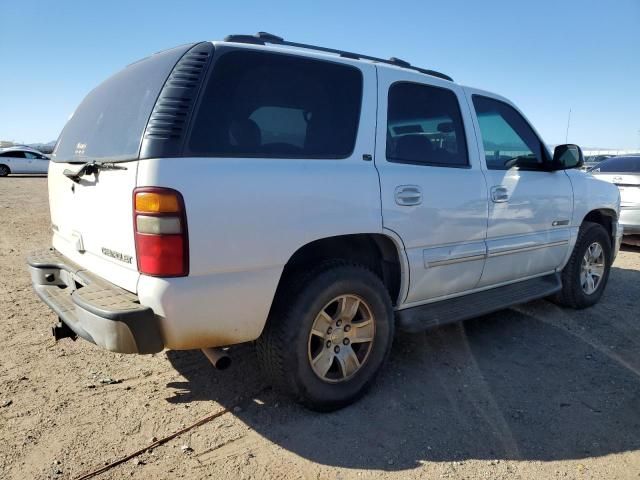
{"x":566,"y":138}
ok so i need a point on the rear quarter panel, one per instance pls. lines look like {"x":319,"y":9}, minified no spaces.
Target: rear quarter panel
{"x":246,"y":218}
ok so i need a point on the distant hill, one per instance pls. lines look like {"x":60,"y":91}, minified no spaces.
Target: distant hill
{"x":42,"y":147}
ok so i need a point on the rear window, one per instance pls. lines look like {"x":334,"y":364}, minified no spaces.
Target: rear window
{"x":619,"y":165}
{"x":268,"y":105}
{"x":110,"y":121}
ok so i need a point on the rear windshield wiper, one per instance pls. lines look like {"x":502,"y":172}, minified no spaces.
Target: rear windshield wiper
{"x":91,"y":168}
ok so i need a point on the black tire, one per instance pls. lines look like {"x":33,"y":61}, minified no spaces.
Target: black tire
{"x":284,"y":348}
{"x":4,"y":170}
{"x":572,"y":294}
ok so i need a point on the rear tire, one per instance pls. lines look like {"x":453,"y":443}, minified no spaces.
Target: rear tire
{"x":314,"y":346}
{"x":585,"y":276}
{"x":4,"y":171}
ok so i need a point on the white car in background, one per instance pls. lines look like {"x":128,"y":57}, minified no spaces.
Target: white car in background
{"x":22,"y":160}
{"x":624,"y":172}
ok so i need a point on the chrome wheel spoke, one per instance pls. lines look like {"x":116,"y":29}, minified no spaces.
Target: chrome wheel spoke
{"x":361,"y":332}
{"x":323,"y":322}
{"x":597,"y":270}
{"x":348,"y":308}
{"x":348,"y":361}
{"x":322,"y":363}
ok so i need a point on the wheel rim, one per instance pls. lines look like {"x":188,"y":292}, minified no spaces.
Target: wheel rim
{"x":592,"y":268}
{"x":341,"y":338}
{"x":3,"y":170}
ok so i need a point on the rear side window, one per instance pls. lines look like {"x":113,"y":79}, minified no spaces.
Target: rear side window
{"x":110,"y":121}
{"x":260,"y":104}
{"x":14,"y":154}
{"x":619,"y":165}
{"x":424,"y":126}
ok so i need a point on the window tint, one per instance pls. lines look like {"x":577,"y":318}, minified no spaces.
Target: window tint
{"x":110,"y":121}
{"x":14,"y":154}
{"x":619,"y":165}
{"x":32,"y":155}
{"x":268,"y":105}
{"x":509,"y":141}
{"x":424,"y":126}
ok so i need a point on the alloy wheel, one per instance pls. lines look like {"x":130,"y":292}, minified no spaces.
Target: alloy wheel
{"x":341,"y":338}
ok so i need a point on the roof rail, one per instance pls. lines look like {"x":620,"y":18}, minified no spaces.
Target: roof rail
{"x":262,"y":38}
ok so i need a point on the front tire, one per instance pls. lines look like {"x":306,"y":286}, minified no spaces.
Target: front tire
{"x":585,"y":276}
{"x":4,"y":171}
{"x":328,"y":335}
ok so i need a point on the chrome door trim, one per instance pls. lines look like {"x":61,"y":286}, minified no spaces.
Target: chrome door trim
{"x":527,"y":249}
{"x":452,"y":254}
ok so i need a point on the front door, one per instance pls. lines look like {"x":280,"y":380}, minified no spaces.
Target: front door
{"x":530,"y":208}
{"x":32,"y":162}
{"x":434,"y":194}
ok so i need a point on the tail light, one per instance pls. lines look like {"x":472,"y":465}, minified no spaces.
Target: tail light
{"x":160,"y":226}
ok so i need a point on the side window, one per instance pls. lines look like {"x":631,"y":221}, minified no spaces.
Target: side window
{"x":260,"y":104}
{"x":509,"y":141}
{"x":32,"y":155}
{"x":424,"y":126}
{"x":14,"y":154}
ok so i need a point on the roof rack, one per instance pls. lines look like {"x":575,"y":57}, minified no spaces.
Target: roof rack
{"x":262,"y":38}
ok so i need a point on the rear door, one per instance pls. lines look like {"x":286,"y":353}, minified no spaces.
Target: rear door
{"x":16,"y":161}
{"x":92,"y":217}
{"x":530,"y":208}
{"x":434,"y":195}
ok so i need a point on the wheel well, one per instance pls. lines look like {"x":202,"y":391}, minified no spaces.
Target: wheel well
{"x":375,"y":251}
{"x":604,"y":217}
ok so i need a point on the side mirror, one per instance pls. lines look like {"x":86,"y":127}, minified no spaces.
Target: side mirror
{"x":566,"y":157}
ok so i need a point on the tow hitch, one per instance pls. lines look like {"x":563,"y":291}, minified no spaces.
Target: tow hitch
{"x":61,"y":330}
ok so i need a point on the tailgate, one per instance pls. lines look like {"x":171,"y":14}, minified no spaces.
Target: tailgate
{"x":92,"y":214}
{"x":92,"y":221}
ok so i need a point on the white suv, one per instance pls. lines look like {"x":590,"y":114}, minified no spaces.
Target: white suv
{"x":311,"y":200}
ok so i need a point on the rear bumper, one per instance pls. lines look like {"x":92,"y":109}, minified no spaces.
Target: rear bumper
{"x":93,"y":308}
{"x":630,"y":219}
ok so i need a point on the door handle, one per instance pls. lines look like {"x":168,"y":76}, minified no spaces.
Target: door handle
{"x":407,"y":195}
{"x":499,"y":194}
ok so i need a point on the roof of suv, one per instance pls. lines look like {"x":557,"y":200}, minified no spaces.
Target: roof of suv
{"x":264,"y":38}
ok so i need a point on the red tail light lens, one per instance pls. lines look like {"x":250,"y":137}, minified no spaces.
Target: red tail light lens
{"x":160,"y":227}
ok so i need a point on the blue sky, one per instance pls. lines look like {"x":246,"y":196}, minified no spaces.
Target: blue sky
{"x":547,"y":56}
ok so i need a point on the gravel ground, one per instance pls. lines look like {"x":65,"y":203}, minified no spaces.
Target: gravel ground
{"x":530,"y":392}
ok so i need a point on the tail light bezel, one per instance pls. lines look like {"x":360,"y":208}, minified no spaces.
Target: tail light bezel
{"x":181,"y":215}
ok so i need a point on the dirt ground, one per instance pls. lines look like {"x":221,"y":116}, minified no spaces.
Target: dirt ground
{"x":533,"y":392}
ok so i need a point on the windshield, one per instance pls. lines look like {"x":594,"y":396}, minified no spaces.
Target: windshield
{"x":110,"y":121}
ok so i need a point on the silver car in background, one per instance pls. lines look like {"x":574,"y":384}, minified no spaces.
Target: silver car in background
{"x":624,"y":171}
{"x":22,"y":160}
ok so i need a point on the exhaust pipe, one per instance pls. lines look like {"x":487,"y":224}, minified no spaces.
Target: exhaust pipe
{"x":218,"y":357}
